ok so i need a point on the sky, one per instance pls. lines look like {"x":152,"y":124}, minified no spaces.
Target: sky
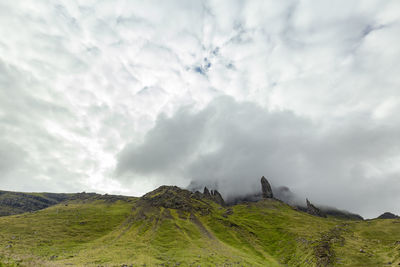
{"x":121,"y":97}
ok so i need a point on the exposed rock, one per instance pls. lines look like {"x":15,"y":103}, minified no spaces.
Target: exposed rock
{"x":388,"y":215}
{"x":206,"y":192}
{"x":266,"y":188}
{"x":311,"y":209}
{"x":173,"y":197}
{"x":324,"y":246}
{"x":197,"y":195}
{"x":216,"y":196}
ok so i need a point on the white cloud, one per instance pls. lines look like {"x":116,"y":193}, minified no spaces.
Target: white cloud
{"x":230,"y":145}
{"x":81,"y":79}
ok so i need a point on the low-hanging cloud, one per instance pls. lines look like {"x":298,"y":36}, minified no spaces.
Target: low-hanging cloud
{"x":229,"y":145}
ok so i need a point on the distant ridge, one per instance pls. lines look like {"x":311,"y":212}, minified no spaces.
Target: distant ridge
{"x":388,"y":215}
{"x":12,"y":203}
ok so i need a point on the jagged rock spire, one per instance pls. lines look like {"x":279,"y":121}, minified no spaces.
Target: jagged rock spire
{"x":216,"y":196}
{"x":311,"y":209}
{"x":206,"y":192}
{"x":266,"y":188}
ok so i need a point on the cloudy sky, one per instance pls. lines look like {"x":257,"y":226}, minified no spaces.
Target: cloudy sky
{"x":124,"y":96}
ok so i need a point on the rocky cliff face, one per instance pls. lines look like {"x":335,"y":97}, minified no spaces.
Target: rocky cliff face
{"x":266,"y":188}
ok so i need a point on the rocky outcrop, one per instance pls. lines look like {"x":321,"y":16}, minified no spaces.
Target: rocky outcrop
{"x":216,"y":196}
{"x":311,"y":209}
{"x":388,"y":215}
{"x":206,"y":192}
{"x":173,"y":197}
{"x":266,"y":188}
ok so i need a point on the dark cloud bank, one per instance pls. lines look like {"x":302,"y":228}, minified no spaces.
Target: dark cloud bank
{"x":348,"y":163}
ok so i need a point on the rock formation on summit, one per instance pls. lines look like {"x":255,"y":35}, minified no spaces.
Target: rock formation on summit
{"x":265,"y":192}
{"x":206,"y":192}
{"x":266,"y":188}
{"x":311,"y":209}
{"x":216,"y":196}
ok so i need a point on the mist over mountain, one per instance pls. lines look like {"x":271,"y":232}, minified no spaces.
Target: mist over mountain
{"x":228,"y":143}
{"x":121,"y":97}
{"x":200,"y":133}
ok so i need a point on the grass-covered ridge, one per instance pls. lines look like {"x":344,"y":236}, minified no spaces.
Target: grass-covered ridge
{"x":171,"y":227}
{"x":15,"y":202}
{"x":12,"y":203}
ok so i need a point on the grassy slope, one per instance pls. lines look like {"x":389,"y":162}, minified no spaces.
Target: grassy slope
{"x":267,"y":233}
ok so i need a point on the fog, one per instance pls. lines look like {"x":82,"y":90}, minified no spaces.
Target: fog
{"x":229,"y":145}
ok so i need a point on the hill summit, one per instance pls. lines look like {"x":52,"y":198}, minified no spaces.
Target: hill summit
{"x":170,"y":226}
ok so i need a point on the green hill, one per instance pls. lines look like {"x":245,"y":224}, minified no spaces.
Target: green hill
{"x":15,"y":202}
{"x":12,"y":203}
{"x":174,"y":227}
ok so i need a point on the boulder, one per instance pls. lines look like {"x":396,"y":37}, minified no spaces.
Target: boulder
{"x":266,"y":188}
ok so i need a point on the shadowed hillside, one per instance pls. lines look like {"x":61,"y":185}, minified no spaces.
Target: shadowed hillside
{"x":12,"y":203}
{"x":16,"y":203}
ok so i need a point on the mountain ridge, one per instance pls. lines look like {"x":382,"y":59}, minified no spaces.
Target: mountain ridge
{"x":13,"y":202}
{"x":171,"y":226}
